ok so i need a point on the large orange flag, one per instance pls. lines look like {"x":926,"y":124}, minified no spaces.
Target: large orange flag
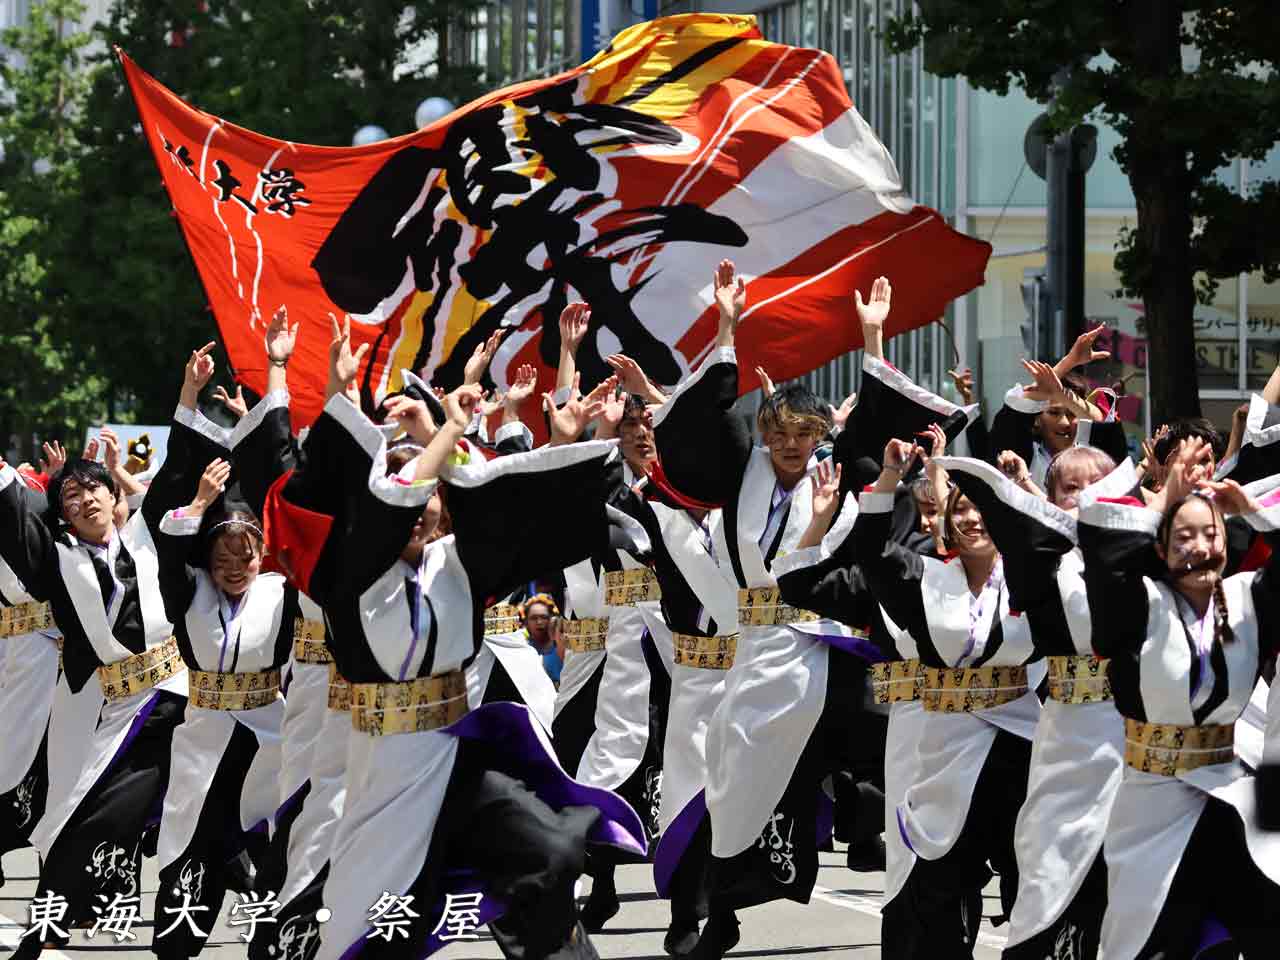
{"x":621,"y":182}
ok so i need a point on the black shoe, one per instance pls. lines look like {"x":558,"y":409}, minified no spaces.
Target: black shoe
{"x":719,"y":936}
{"x":680,"y":939}
{"x":600,"y":907}
{"x":867,"y":856}
{"x":29,"y":948}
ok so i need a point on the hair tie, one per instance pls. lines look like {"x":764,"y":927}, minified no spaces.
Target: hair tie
{"x":243,"y":523}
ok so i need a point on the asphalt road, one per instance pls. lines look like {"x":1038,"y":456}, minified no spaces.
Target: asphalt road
{"x":842,"y":920}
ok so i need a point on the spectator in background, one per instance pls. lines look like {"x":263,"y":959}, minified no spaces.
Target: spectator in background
{"x":536,"y":614}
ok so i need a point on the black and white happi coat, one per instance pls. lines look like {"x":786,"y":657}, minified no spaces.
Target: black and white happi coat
{"x":930,"y":600}
{"x":604,"y":727}
{"x":1077,"y":753}
{"x":1161,"y":673}
{"x":101,"y":627}
{"x":391,"y":622}
{"x":218,"y":634}
{"x":1013,"y":428}
{"x":753,"y":747}
{"x":28,"y":678}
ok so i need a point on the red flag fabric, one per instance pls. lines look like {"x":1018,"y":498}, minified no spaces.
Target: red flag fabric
{"x":621,"y":182}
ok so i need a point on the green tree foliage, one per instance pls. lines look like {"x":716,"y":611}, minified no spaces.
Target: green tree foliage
{"x":91,"y":249}
{"x":1189,"y":86}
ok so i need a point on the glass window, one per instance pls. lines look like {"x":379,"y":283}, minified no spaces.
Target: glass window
{"x":906,"y":155}
{"x":926,"y":190}
{"x":809,"y":23}
{"x":997,"y":128}
{"x":1263,"y":330}
{"x":865,"y":98}
{"x":848,"y":38}
{"x":886,"y":120}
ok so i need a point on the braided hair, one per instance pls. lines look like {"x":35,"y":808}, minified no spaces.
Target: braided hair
{"x":1222,"y":632}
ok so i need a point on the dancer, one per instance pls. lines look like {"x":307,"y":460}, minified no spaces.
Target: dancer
{"x":1186,"y":646}
{"x":426,"y":786}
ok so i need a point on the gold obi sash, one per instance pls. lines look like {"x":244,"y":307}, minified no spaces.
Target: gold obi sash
{"x":339,"y":690}
{"x":413,"y":706}
{"x":705,"y":653}
{"x":501,"y":618}
{"x":142,"y":671}
{"x":583,"y":636}
{"x":1170,"y":749}
{"x":1078,"y":679}
{"x":308,"y":642}
{"x":233,"y":691}
{"x":763,"y":607}
{"x":896,"y":681}
{"x":626,"y":588}
{"x":23,"y":618}
{"x":969,"y":689}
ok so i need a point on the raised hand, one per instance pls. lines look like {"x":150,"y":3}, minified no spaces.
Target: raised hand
{"x":110,"y":449}
{"x":629,"y":374}
{"x":280,"y":338}
{"x":91,"y":449}
{"x":460,"y":405}
{"x":343,"y":364}
{"x":937,"y":438}
{"x":1046,"y":386}
{"x":237,"y":404}
{"x":1230,"y":496}
{"x":766,"y":383}
{"x":491,"y":405}
{"x":825,"y":484}
{"x":731,"y":298}
{"x":521,"y":388}
{"x":55,"y":458}
{"x":875,"y":310}
{"x":481,"y":357}
{"x":569,"y":420}
{"x":963,"y":379}
{"x":840,"y":415}
{"x":413,"y":417}
{"x":575,"y":320}
{"x":899,"y":455}
{"x":613,"y":407}
{"x":1082,"y":351}
{"x":212,"y":483}
{"x":200,"y":366}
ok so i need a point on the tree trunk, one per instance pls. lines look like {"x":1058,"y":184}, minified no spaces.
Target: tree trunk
{"x":1162,"y":248}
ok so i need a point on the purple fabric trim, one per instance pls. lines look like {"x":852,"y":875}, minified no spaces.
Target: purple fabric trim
{"x":902,"y":830}
{"x":523,"y":755}
{"x":826,"y":819}
{"x":288,"y":804}
{"x":134,"y":729}
{"x":675,"y":841}
{"x":509,"y":726}
{"x":858,"y":646}
{"x":1212,"y":933}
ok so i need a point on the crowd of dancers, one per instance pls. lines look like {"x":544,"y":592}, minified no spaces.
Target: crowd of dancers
{"x":298,"y":669}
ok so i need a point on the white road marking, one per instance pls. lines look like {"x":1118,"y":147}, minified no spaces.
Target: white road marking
{"x":871,"y":907}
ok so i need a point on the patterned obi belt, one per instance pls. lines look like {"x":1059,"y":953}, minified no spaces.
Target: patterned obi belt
{"x":705,"y":653}
{"x":308,"y":642}
{"x":24,"y":618}
{"x":1078,"y":679}
{"x":142,"y":671}
{"x":763,"y":607}
{"x":413,"y":706}
{"x":233,"y":691}
{"x":501,"y":618}
{"x":626,"y":588}
{"x":586,"y":635}
{"x":969,"y":689}
{"x":339,"y":691}
{"x":897,"y":681}
{"x":1170,"y":749}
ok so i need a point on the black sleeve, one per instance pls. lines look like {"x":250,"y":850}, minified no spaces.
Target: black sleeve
{"x":194,"y":442}
{"x":515,"y":442}
{"x":892,"y":572}
{"x":264,"y":448}
{"x":979,"y":439}
{"x":26,"y":542}
{"x":1012,"y":430}
{"x":1118,"y":543}
{"x":284,"y":639}
{"x":517,"y":517}
{"x":703,"y":446}
{"x":1259,"y":453}
{"x":176,"y":540}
